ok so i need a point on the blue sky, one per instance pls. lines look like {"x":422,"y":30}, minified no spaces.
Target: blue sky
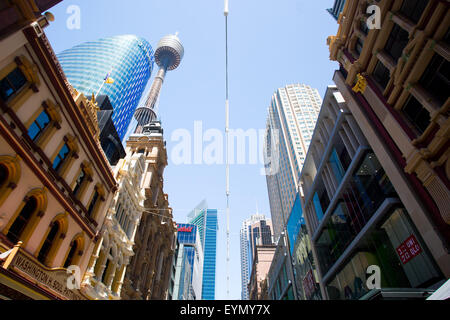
{"x":271,"y":44}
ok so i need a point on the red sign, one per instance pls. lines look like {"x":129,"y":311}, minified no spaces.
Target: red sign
{"x":184,"y":229}
{"x":409,"y":249}
{"x":309,"y":284}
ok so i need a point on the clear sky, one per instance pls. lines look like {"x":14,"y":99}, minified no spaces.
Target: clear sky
{"x":271,"y":44}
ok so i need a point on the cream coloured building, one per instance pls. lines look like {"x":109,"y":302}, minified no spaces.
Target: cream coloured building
{"x":55,"y":181}
{"x":113,"y":252}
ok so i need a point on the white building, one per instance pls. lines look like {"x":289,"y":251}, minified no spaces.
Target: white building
{"x":112,"y":255}
{"x":290,"y":124}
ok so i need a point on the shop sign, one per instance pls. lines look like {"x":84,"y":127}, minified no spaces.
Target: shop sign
{"x":309,"y":284}
{"x":185,"y":229}
{"x":53,"y":280}
{"x":409,"y":249}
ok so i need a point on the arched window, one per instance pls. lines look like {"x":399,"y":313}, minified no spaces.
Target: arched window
{"x":9,"y":175}
{"x":3,"y":175}
{"x":25,"y":219}
{"x":75,"y":251}
{"x":18,"y":227}
{"x":55,"y":235}
{"x":48,"y":243}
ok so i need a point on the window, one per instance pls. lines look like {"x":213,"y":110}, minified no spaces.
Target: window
{"x":416,"y":114}
{"x":16,"y":230}
{"x":71,"y":255}
{"x":363,"y":27}
{"x":12,"y":83}
{"x":413,"y":9}
{"x":60,"y":157}
{"x":396,"y":42}
{"x":381,"y":74}
{"x":93,"y":203}
{"x":80,"y":180}
{"x":39,"y":125}
{"x":359,"y":46}
{"x":436,"y":79}
{"x":4,"y":174}
{"x":48,"y":243}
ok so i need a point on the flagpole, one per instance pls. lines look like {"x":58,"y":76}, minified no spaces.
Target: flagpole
{"x":104,"y":81}
{"x":101,"y":87}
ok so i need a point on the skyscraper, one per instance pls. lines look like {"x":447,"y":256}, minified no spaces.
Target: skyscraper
{"x":256,"y":230}
{"x":292,"y":117}
{"x":189,"y":266}
{"x":129,"y":59}
{"x":206,"y":221}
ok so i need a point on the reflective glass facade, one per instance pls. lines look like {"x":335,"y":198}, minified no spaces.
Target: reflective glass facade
{"x":131,"y":60}
{"x":397,"y":248}
{"x":206,"y":221}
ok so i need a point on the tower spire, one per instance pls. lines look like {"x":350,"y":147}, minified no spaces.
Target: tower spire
{"x":168,"y":56}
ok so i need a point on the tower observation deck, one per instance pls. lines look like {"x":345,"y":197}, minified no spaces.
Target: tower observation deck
{"x":168,"y":56}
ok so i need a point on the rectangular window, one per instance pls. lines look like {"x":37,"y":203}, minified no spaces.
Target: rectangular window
{"x":436,"y":78}
{"x":12,"y":83}
{"x":396,"y":42}
{"x":416,"y":114}
{"x":413,"y":9}
{"x":359,"y":46}
{"x":38,"y":126}
{"x":62,"y":155}
{"x":381,"y":74}
{"x":93,"y":203}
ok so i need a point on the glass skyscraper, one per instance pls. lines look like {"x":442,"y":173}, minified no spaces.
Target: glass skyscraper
{"x":206,"y":221}
{"x":189,"y":268}
{"x":131,"y":60}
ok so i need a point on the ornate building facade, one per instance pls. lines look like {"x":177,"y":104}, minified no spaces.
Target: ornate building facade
{"x":55,"y":181}
{"x":113,"y":252}
{"x":148,"y":277}
{"x":395,"y":82}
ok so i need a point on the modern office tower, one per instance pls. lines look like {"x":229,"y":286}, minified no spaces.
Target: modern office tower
{"x":55,"y":183}
{"x":290,"y":124}
{"x":246,"y":255}
{"x":396,"y":84}
{"x":206,"y":221}
{"x":129,"y":60}
{"x":189,"y":266}
{"x":338,"y":7}
{"x":359,"y":214}
{"x":109,"y":138}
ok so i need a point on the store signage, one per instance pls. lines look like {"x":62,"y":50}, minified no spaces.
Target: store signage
{"x":185,"y":229}
{"x":54,"y":281}
{"x":309,"y":284}
{"x":409,"y":249}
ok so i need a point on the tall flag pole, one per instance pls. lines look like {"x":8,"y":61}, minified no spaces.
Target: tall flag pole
{"x":107,"y":80}
{"x":227,"y":144}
